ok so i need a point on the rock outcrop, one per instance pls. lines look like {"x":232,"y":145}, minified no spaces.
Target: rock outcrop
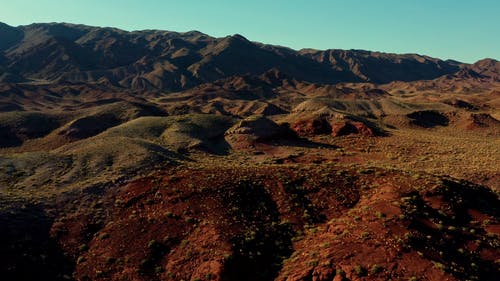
{"x":351,"y":127}
{"x":255,"y":129}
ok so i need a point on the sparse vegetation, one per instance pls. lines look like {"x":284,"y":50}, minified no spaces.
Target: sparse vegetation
{"x":360,"y":270}
{"x":375,"y":269}
{"x":246,"y":177}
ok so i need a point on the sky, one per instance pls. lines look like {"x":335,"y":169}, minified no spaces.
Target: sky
{"x":463,"y":30}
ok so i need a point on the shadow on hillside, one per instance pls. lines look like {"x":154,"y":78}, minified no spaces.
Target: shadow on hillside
{"x":27,"y":252}
{"x":261,"y":246}
{"x":301,"y":142}
{"x":428,"y":119}
{"x":455,"y":228}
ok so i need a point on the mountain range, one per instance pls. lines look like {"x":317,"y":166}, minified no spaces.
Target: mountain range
{"x":173,"y":61}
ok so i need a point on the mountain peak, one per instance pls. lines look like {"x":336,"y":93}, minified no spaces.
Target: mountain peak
{"x":487,"y":67}
{"x":486,"y":62}
{"x":236,"y":38}
{"x":239,"y":37}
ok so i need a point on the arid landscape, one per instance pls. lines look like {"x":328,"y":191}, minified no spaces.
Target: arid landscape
{"x":158,"y":155}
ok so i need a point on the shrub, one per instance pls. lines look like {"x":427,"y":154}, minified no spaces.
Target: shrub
{"x":360,"y":270}
{"x":83,"y":247}
{"x":340,"y":272}
{"x":376,"y":269}
{"x":152,"y":244}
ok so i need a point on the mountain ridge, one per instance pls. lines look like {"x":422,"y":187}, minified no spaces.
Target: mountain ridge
{"x":174,"y":61}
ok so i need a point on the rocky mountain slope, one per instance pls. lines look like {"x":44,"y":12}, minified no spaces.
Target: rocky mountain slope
{"x":173,"y":61}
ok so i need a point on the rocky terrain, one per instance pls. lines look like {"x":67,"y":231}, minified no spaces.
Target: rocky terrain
{"x":158,"y":155}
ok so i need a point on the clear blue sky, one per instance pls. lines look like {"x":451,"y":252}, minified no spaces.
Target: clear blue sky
{"x":464,"y":30}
